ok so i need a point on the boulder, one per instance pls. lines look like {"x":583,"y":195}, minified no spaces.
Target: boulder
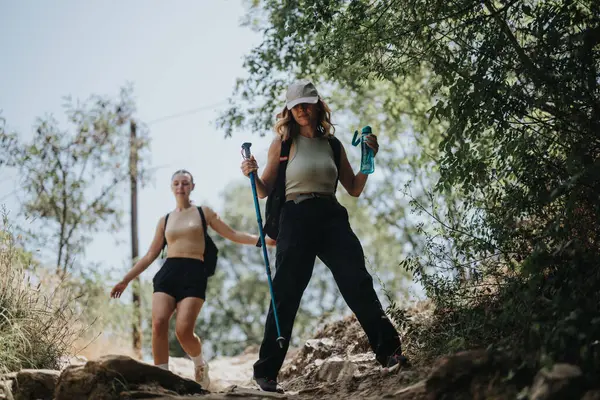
{"x":110,"y":376}
{"x":35,"y":384}
{"x":336,"y":369}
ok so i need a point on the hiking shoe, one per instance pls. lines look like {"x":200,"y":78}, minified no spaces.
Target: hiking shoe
{"x":201,"y":375}
{"x":268,"y":385}
{"x":397,"y":360}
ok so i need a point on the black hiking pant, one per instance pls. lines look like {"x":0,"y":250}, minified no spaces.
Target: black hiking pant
{"x":320,"y":227}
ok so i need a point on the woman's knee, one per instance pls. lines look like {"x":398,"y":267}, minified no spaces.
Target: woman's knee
{"x":160,"y":324}
{"x":184,"y":330}
{"x":163,"y":306}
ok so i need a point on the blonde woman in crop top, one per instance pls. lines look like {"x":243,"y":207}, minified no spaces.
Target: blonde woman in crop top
{"x":312,"y":223}
{"x":180,"y":284}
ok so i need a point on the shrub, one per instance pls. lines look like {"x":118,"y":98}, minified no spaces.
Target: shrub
{"x":37,"y":323}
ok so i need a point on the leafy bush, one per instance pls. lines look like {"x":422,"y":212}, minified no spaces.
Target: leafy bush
{"x":528,"y":288}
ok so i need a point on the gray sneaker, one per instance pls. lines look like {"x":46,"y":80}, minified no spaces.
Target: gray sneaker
{"x":201,"y":375}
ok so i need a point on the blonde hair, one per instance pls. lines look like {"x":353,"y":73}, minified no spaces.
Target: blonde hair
{"x":287,"y":127}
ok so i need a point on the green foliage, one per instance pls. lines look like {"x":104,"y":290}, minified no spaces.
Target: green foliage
{"x":509,"y":234}
{"x":100,"y":313}
{"x":73,"y":178}
{"x":397,"y":110}
{"x":38,"y":323}
{"x":407,"y":161}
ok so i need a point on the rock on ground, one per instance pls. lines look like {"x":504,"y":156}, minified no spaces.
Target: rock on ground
{"x":113,"y":376}
{"x":35,"y":384}
{"x":336,"y":364}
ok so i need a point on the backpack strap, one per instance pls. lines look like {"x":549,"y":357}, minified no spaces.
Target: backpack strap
{"x":276,"y":198}
{"x":284,"y":154}
{"x":336,"y":147}
{"x":164,"y":235}
{"x":203,"y":220}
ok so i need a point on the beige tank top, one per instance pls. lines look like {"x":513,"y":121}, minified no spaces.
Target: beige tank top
{"x":311,"y":168}
{"x":184,"y":233}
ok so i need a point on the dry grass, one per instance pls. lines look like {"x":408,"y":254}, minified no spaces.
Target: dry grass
{"x":37,"y":322}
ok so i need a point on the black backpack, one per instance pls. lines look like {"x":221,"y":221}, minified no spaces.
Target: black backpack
{"x":276,"y":198}
{"x":211,"y":252}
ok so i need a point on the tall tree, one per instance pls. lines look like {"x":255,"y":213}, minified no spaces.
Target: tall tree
{"x":74,"y":177}
{"x":517,"y":85}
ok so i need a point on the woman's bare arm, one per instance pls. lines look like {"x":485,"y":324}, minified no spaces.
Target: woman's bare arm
{"x":223,"y":229}
{"x":151,"y":255}
{"x":354,"y":183}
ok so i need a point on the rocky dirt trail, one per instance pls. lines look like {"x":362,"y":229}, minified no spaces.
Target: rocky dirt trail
{"x":325,"y":367}
{"x":336,"y":364}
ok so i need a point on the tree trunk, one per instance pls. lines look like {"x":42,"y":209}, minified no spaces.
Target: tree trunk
{"x":135,"y":287}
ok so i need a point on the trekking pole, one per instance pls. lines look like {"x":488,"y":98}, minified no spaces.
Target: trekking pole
{"x":246,"y":154}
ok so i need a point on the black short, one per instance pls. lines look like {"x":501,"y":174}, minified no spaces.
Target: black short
{"x":181,"y":277}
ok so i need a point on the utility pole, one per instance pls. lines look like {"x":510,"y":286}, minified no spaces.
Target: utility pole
{"x":135,"y":287}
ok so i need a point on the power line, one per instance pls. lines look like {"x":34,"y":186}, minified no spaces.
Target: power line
{"x":184,"y":113}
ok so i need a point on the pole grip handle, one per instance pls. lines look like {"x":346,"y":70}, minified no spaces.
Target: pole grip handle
{"x":246,"y":150}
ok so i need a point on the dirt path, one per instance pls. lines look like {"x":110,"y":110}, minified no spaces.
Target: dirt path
{"x":224,"y":372}
{"x":228,"y":374}
{"x":336,"y":364}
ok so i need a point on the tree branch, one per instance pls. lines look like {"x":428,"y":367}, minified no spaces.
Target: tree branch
{"x":79,"y":217}
{"x":524,"y":58}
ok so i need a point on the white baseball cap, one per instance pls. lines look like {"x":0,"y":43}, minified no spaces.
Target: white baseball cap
{"x":301,"y":92}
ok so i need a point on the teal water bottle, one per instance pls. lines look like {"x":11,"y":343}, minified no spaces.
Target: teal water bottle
{"x":367,"y":157}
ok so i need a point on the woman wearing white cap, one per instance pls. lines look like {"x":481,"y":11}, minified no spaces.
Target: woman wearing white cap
{"x":304,"y":164}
